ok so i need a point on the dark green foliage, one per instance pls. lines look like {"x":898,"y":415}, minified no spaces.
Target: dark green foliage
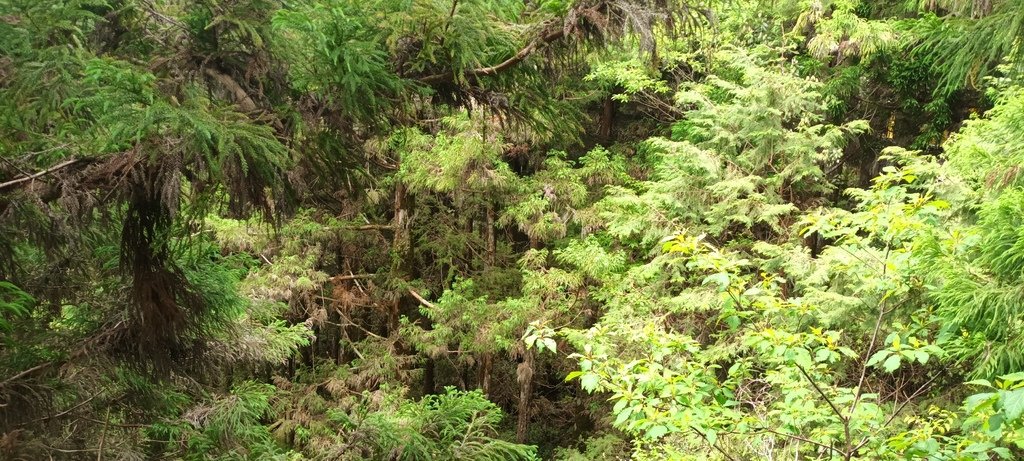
{"x":504,"y":230}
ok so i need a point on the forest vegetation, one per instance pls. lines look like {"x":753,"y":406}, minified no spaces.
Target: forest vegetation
{"x":511,"y":230}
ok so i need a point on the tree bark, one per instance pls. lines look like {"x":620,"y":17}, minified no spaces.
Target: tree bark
{"x":486,"y":360}
{"x":607,"y":114}
{"x":401,"y":247}
{"x":492,"y":243}
{"x":429,"y":379}
{"x":524,"y":374}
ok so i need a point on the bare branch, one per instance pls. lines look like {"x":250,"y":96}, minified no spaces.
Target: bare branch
{"x":504,"y":65}
{"x":421,"y":299}
{"x":65,"y":164}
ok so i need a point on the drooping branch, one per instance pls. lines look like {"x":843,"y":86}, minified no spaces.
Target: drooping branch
{"x":597,"y":13}
{"x":519,"y":57}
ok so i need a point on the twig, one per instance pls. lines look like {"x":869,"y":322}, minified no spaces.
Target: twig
{"x":69,"y":410}
{"x":339,"y":278}
{"x":14,"y":165}
{"x":802,"y":439}
{"x":899,"y":408}
{"x":848,"y":453}
{"x":103,"y":436}
{"x":871,"y":347}
{"x":368,"y":227}
{"x":64,"y":450}
{"x":124,"y":426}
{"x":820,"y":392}
{"x":716,"y":447}
{"x":45,"y":172}
{"x":34,"y":369}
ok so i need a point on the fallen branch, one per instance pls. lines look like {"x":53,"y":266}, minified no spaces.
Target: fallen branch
{"x":340,"y":278}
{"x":369,"y":227}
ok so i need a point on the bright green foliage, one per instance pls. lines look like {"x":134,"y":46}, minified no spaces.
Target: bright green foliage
{"x":796,"y":381}
{"x":967,"y":44}
{"x":383,"y":425}
{"x":750,"y":144}
{"x":981,"y":295}
{"x":13,"y":302}
{"x":452,"y":425}
{"x":227,"y":428}
{"x":987,"y":151}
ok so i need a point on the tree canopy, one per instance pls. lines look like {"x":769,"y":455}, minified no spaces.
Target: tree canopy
{"x":511,"y":230}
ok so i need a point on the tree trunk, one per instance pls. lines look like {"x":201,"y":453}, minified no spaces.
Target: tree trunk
{"x":492,"y":243}
{"x":402,"y":248}
{"x":607,"y":114}
{"x":429,"y":385}
{"x":524,"y":374}
{"x":485,"y":374}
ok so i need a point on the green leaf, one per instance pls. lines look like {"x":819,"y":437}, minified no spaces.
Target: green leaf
{"x":656,"y":432}
{"x":995,"y":422}
{"x":721,"y":279}
{"x":623,"y":416}
{"x":1013,"y":377}
{"x":976,"y":401}
{"x":891,"y":364}
{"x":979,"y":447}
{"x":979,"y":382}
{"x":550,"y":344}
{"x":1013,"y":404}
{"x":589,"y":381}
{"x":878,"y":357}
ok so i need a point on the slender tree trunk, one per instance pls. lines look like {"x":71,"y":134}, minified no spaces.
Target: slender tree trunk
{"x":228,"y":372}
{"x":310,"y":352}
{"x":484,"y":379}
{"x":524,"y":374}
{"x":607,"y":114}
{"x":332,"y":332}
{"x":429,"y":377}
{"x":402,"y":248}
{"x":464,"y":381}
{"x":492,"y":243}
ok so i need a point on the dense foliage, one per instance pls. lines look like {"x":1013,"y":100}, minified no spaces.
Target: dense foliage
{"x":504,"y":230}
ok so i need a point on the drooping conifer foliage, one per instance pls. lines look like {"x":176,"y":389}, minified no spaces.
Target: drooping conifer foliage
{"x":511,"y":230}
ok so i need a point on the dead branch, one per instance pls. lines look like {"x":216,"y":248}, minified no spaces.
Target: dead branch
{"x":65,"y":164}
{"x":524,"y":53}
